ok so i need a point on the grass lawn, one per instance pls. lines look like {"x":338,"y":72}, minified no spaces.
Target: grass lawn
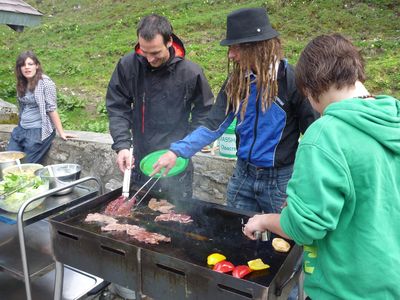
{"x":79,"y":42}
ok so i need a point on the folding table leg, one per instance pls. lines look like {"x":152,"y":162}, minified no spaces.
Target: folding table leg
{"x":58,"y":281}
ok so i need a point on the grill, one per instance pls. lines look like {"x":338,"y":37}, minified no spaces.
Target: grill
{"x":175,"y":270}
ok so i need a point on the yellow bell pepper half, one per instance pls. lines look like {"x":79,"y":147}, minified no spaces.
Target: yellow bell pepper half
{"x":215,"y":258}
{"x":257,"y":264}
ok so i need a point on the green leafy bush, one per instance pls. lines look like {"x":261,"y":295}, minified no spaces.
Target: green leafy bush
{"x":95,"y":126}
{"x":69,"y":103}
{"x":80,"y":42}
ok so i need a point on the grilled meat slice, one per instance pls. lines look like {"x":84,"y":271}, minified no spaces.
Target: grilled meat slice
{"x":174,"y":217}
{"x":96,"y":217}
{"x":162,"y":205}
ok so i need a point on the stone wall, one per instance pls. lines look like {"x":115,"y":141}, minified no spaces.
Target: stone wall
{"x":8,"y":113}
{"x":93,"y":152}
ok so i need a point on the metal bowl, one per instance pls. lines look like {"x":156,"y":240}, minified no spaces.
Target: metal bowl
{"x":60,"y":175}
{"x":9,"y":158}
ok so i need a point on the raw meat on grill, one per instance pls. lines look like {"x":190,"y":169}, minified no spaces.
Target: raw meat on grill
{"x":174,"y":217}
{"x":116,"y":208}
{"x":125,"y":209}
{"x":162,"y":206}
{"x":120,"y":207}
{"x":138,"y":233}
{"x":147,"y":237}
{"x":112,"y":207}
{"x":96,"y":217}
{"x":115,"y":227}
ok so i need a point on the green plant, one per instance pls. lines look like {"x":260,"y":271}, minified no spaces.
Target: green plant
{"x":95,"y":126}
{"x":66,"y":102}
{"x":79,"y":42}
{"x":8,"y":91}
{"x":101,"y":109}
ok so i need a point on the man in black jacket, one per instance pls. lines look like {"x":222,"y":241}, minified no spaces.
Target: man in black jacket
{"x":155,"y":97}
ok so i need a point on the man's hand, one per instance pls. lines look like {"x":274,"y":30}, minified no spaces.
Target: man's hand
{"x":270,"y":222}
{"x":123,"y":160}
{"x":255,"y":223}
{"x":167,"y":161}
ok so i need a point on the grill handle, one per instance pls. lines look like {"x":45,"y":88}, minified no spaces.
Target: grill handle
{"x":170,"y":269}
{"x":235,"y":291}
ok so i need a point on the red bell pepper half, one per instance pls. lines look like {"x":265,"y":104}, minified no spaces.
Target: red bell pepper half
{"x":241,"y":271}
{"x":223,"y":267}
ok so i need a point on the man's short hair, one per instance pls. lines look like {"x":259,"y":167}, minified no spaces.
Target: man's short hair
{"x":151,"y":25}
{"x":328,"y":60}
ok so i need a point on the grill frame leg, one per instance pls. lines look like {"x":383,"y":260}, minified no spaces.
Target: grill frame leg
{"x":58,"y":281}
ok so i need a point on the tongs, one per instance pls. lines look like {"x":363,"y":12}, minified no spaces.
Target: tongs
{"x":18,"y":188}
{"x":127,"y":176}
{"x":127,"y":180}
{"x":142,"y":187}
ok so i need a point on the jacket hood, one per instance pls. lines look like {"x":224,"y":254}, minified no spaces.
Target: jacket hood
{"x":379,"y":118}
{"x":177,"y":45}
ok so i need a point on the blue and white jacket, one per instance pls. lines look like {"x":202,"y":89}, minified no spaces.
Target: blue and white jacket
{"x":264,"y":139}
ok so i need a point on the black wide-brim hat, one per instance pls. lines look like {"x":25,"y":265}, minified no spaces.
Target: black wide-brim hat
{"x":248,"y":25}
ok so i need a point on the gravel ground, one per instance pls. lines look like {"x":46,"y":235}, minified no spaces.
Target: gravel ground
{"x":109,"y":293}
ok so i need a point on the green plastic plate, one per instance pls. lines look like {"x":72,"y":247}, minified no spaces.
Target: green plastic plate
{"x":146,"y":165}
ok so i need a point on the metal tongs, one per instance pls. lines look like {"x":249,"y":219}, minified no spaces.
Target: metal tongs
{"x":18,"y":188}
{"x":127,"y":176}
{"x":127,"y":180}
{"x":142,"y":187}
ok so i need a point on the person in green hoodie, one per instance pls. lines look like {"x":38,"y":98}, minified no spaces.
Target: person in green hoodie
{"x":343,"y":200}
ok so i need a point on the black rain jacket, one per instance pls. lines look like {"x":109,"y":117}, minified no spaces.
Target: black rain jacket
{"x":160,"y":105}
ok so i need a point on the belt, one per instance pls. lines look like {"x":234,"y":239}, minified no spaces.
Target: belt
{"x":270,"y":171}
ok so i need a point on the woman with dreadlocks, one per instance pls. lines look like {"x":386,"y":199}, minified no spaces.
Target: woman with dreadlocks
{"x":260,"y":91}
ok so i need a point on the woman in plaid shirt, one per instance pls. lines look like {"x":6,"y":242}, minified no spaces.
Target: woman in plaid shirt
{"x":38,"y":115}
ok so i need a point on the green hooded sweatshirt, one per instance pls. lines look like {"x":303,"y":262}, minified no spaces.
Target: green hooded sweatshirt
{"x":344,"y":201}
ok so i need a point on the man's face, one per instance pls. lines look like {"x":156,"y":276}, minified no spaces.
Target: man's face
{"x":234,"y":53}
{"x":155,"y":51}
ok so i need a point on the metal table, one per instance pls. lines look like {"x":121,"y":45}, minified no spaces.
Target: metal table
{"x":32,"y":235}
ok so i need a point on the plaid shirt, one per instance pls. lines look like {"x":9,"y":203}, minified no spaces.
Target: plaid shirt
{"x":46,"y":99}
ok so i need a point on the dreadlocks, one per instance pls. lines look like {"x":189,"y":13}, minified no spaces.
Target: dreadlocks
{"x":259,"y":58}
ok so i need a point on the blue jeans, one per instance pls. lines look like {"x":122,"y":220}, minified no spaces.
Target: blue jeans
{"x":258,"y":189}
{"x":30,"y":142}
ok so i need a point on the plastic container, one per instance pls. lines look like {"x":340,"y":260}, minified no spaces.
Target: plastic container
{"x":227,"y":142}
{"x":14,"y":201}
{"x":146,"y":165}
{"x":28,"y":169}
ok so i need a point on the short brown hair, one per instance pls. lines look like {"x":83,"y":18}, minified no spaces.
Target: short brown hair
{"x":328,"y":60}
{"x":153,"y":24}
